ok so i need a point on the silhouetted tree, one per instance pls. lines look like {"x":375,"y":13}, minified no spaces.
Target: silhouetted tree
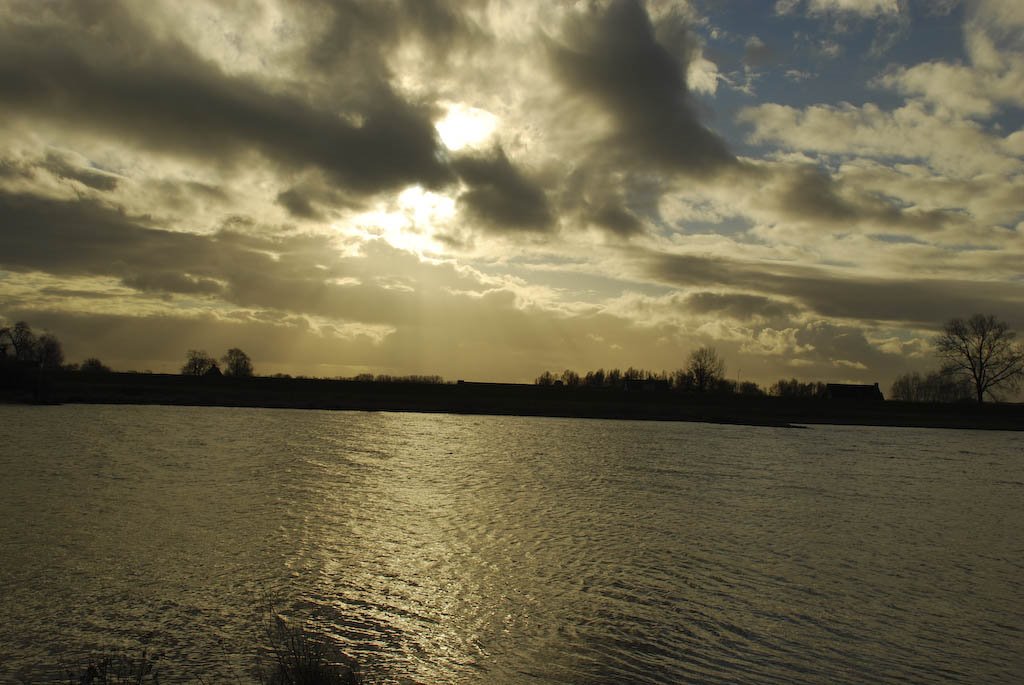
{"x":237,"y":363}
{"x":546,"y":378}
{"x":982,"y":349}
{"x":632,"y":374}
{"x":18,"y":342}
{"x":936,"y":386}
{"x":705,"y":368}
{"x":570,"y":378}
{"x":794,"y":389}
{"x":49,"y":352}
{"x":682,"y":380}
{"x":197,"y":363}
{"x":93,"y":365}
{"x":751,"y":389}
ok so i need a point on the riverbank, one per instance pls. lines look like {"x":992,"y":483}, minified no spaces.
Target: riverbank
{"x":503,"y":399}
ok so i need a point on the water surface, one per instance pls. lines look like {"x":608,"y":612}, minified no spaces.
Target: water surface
{"x":471,"y":549}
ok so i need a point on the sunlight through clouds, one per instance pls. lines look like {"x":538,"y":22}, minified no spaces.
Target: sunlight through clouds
{"x":464,"y":126}
{"x":408,"y":223}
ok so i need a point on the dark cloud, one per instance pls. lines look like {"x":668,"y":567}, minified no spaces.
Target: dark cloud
{"x":740,"y":306}
{"x":362,"y":33}
{"x":172,"y":282}
{"x":808,"y":193}
{"x":297,"y":204}
{"x":303,"y":274}
{"x":118,"y":78}
{"x":62,"y":168}
{"x":615,"y":218}
{"x":500,"y":195}
{"x":911,"y":302}
{"x":72,"y":292}
{"x":84,"y":237}
{"x":611,"y":56}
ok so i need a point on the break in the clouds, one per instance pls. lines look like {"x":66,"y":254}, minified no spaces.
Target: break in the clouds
{"x":488,"y":189}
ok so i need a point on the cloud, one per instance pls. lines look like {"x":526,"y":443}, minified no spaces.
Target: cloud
{"x":297,"y":204}
{"x":363,"y":33}
{"x":740,"y":306}
{"x":298,"y":274}
{"x":620,"y":221}
{"x":863,"y":8}
{"x":829,"y":293}
{"x":994,"y":78}
{"x":610,"y":56}
{"x":121,"y":80}
{"x":499,"y":195}
{"x":953,"y":147}
{"x":59,"y":166}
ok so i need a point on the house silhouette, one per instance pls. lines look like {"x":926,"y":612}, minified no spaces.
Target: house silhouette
{"x":851,"y":392}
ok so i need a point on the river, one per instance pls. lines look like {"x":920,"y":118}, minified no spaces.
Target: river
{"x":476,"y":549}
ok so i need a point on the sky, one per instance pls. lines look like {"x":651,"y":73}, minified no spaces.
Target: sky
{"x":488,"y":189}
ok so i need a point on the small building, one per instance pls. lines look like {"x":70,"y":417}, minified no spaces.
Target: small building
{"x":851,"y":392}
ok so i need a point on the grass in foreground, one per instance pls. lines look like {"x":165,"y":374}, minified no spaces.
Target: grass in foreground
{"x":115,"y":670}
{"x":303,"y":659}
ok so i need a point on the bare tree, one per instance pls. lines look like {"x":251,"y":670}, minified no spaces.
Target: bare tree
{"x":982,"y":349}
{"x":49,"y":353}
{"x":197,"y":363}
{"x":936,"y":386}
{"x":18,"y":341}
{"x":705,"y":368}
{"x":237,"y":363}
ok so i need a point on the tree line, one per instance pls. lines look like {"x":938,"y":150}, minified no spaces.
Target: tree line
{"x":704,"y":372}
{"x":979,"y":358}
{"x":680,"y":380}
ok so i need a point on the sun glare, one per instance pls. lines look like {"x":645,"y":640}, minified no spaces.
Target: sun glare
{"x":408,"y":222}
{"x":465,"y":126}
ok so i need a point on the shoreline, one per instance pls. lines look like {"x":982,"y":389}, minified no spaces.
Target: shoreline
{"x":503,"y":399}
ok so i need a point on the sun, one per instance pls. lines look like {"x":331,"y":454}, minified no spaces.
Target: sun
{"x":465,"y":126}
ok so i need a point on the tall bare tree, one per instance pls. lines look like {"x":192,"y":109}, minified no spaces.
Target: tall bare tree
{"x":982,"y":349}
